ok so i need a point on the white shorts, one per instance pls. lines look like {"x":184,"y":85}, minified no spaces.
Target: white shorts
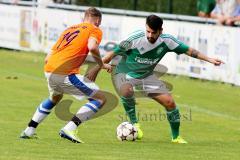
{"x":147,"y":85}
{"x":75,"y":85}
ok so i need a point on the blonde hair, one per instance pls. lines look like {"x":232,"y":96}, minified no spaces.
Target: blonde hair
{"x":92,"y":12}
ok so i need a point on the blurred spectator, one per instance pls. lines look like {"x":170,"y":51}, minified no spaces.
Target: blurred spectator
{"x":10,"y":1}
{"x":205,"y":7}
{"x":62,"y":1}
{"x":226,"y":11}
{"x":235,"y":19}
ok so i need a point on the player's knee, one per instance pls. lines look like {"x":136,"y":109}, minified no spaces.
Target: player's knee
{"x":127,"y":94}
{"x":126,"y":91}
{"x":56,"y":98}
{"x":169,"y":103}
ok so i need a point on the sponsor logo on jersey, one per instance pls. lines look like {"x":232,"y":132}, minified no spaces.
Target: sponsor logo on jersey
{"x":159,"y":50}
{"x":146,"y":60}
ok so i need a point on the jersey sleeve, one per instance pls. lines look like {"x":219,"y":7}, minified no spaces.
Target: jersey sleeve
{"x":182,"y":48}
{"x":122,"y":48}
{"x":96,"y":33}
{"x":127,"y":44}
{"x":175,"y":45}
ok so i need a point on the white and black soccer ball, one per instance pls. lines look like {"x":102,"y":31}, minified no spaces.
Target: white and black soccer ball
{"x":126,"y":132}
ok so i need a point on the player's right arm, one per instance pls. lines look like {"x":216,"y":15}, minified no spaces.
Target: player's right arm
{"x":93,"y":47}
{"x":92,"y":74}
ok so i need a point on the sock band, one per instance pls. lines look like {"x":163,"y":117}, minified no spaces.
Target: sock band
{"x":46,"y":106}
{"x":42,"y":111}
{"x":94,"y":105}
{"x":94,"y":109}
{"x":32,"y":124}
{"x":76,"y":120}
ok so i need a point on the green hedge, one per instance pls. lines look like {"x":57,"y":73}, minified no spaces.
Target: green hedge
{"x":185,"y":7}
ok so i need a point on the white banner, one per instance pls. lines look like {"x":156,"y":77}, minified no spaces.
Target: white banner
{"x":214,"y":41}
{"x":30,"y":28}
{"x":10,"y":27}
{"x":50,"y":24}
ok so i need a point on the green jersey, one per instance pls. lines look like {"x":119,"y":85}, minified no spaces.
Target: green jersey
{"x":206,"y":6}
{"x":139,"y":56}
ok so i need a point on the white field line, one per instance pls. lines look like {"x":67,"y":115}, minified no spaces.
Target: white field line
{"x":209,"y":112}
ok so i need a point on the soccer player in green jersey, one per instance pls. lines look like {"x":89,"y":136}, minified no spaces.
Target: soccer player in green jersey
{"x":141,"y":52}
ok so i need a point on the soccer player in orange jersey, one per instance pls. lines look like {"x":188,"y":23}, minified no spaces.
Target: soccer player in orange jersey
{"x":61,"y":70}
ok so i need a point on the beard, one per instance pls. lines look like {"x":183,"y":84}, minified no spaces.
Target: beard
{"x":151,"y":40}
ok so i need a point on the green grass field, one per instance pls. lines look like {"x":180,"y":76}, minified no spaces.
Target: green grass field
{"x":211,"y":119}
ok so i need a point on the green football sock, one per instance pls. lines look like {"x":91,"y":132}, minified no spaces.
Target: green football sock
{"x":173,"y":117}
{"x":129,"y":106}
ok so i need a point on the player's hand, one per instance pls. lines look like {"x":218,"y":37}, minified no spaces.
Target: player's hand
{"x":216,"y":62}
{"x":92,"y":74}
{"x":108,"y":67}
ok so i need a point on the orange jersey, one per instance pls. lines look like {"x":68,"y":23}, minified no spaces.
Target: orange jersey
{"x":71,"y":50}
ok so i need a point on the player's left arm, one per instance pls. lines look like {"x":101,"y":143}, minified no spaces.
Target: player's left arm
{"x":196,"y":54}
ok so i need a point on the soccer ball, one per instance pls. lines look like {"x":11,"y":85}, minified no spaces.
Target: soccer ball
{"x":126,"y":131}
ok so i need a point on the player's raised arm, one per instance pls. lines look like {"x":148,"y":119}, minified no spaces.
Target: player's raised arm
{"x":196,"y":54}
{"x":92,"y":73}
{"x":118,"y":50}
{"x":93,"y":48}
{"x":108,"y":57}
